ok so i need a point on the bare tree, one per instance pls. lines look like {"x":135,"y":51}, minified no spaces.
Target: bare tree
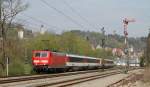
{"x":9,"y":9}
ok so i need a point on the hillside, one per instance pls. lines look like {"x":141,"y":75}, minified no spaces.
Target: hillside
{"x":113,"y":41}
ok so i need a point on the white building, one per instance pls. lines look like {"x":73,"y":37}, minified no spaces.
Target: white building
{"x":20,"y":34}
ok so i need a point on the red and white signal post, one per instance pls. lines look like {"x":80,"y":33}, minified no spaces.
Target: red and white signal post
{"x":125,"y":24}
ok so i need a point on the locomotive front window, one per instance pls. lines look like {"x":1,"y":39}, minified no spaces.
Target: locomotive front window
{"x":41,"y":54}
{"x":37,"y":54}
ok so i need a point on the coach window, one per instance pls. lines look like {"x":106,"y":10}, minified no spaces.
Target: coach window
{"x":74,"y":59}
{"x":94,"y":61}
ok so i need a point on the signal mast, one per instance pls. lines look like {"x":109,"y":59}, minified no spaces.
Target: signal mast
{"x":125,"y":24}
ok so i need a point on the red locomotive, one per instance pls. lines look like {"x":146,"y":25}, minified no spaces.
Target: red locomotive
{"x":52,"y":61}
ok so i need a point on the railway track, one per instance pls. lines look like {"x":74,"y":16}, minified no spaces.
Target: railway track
{"x":73,"y":81}
{"x":44,"y":76}
{"x":59,"y":80}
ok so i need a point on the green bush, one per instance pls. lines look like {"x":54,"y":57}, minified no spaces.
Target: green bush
{"x":16,"y":68}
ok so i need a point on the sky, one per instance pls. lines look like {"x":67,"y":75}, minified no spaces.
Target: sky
{"x":87,"y":15}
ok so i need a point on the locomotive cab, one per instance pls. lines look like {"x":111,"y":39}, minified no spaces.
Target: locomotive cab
{"x":40,"y":58}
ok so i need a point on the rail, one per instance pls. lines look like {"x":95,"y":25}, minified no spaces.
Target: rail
{"x":35,"y":77}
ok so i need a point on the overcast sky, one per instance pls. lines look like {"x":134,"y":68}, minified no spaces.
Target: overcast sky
{"x":97,"y":13}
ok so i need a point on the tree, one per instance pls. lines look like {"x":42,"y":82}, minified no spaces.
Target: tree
{"x":142,"y":61}
{"x":9,"y":9}
{"x":75,"y":44}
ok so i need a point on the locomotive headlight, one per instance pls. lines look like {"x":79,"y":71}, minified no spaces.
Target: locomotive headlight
{"x":36,"y":61}
{"x":44,"y":61}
